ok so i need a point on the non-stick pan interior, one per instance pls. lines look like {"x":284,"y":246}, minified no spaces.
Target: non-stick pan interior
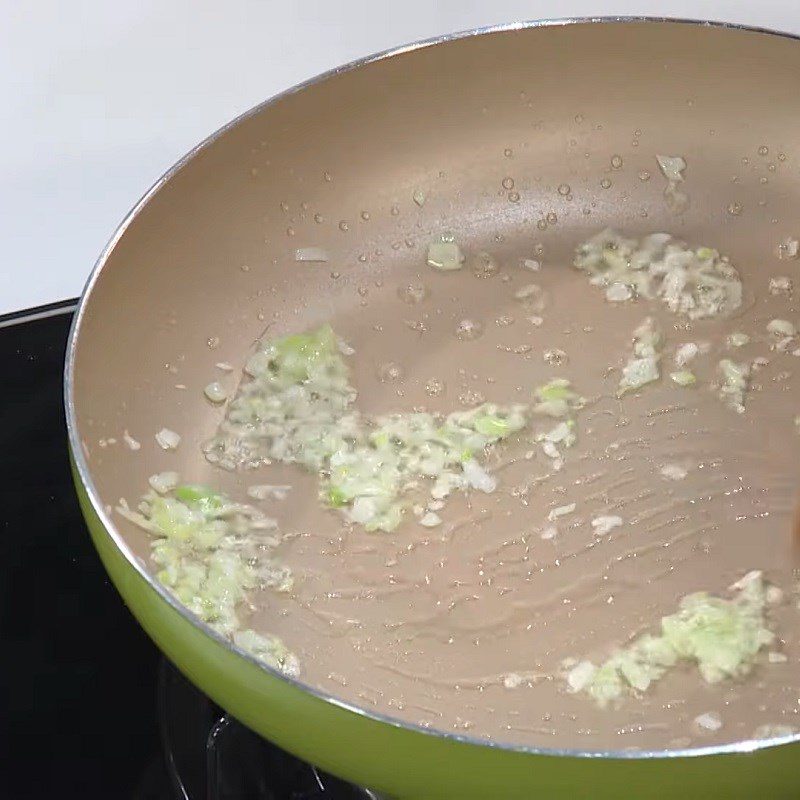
{"x":520,"y":142}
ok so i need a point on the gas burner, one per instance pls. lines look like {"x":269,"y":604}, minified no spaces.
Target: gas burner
{"x":211,"y":756}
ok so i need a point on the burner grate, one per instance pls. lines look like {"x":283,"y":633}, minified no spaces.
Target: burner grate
{"x":209,"y":755}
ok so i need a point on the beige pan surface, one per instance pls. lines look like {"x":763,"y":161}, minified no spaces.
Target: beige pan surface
{"x":524,"y":143}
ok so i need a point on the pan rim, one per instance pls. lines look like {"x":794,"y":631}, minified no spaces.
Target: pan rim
{"x":82,"y":467}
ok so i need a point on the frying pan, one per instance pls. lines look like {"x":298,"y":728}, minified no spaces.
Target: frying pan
{"x":207,"y":256}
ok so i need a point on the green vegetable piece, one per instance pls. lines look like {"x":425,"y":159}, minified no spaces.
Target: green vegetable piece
{"x":614,"y":259}
{"x":380,"y":439}
{"x":205,"y":499}
{"x":557,"y":389}
{"x":387,"y":521}
{"x":606,"y":685}
{"x":721,"y":636}
{"x":491,"y":425}
{"x":683,"y":377}
{"x":296,"y":355}
{"x":335,"y":497}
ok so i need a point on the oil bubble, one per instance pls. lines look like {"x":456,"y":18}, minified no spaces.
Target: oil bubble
{"x":389,"y":372}
{"x":468,"y":329}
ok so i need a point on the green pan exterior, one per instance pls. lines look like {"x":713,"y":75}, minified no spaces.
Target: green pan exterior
{"x":410,"y":764}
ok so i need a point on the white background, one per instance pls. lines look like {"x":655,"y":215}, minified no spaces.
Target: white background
{"x":98,"y":98}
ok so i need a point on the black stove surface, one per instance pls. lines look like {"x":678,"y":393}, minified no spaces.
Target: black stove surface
{"x":90,"y":708}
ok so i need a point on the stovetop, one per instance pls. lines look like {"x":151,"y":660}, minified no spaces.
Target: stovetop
{"x":92,"y":710}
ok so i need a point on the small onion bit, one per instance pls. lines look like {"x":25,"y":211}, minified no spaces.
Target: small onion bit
{"x":603,"y":525}
{"x":672,"y":167}
{"x":164,"y":482}
{"x":133,"y":444}
{"x":710,"y":721}
{"x":168,"y":439}
{"x":445,"y":254}
{"x":215,"y":392}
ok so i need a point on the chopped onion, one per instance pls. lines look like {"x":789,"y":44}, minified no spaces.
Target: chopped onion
{"x":722,"y":637}
{"x":672,"y":167}
{"x":710,"y":721}
{"x":298,"y":408}
{"x":550,"y":450}
{"x":557,"y":399}
{"x":777,"y":658}
{"x":211,"y":552}
{"x":695,"y":283}
{"x":735,"y":381}
{"x":683,"y":377}
{"x":167,"y":439}
{"x":164,"y":482}
{"x":755,"y":576}
{"x":318,"y":254}
{"x":561,"y":511}
{"x":773,"y":731}
{"x":686,"y":353}
{"x":532,"y":264}
{"x":780,"y":285}
{"x":738,"y":339}
{"x":528,"y":291}
{"x":215,"y":392}
{"x":132,"y":443}
{"x":430,"y":520}
{"x":774,"y":595}
{"x":364,"y":510}
{"x":269,"y":649}
{"x":561,"y":434}
{"x":781,"y":327}
{"x":418,"y":197}
{"x":618,"y":292}
{"x":344,"y":348}
{"x":477,"y":477}
{"x":512,"y":680}
{"x":673,"y":472}
{"x":581,"y":676}
{"x":445,"y":255}
{"x":788,"y":248}
{"x":643,"y":367}
{"x":605,"y":524}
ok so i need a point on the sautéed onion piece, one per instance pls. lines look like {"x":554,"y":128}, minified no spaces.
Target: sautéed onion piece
{"x":211,"y":552}
{"x":643,"y":367}
{"x":697,"y":283}
{"x":299,"y":407}
{"x":721,"y":636}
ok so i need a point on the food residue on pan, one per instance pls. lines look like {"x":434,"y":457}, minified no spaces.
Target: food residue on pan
{"x":523,"y":512}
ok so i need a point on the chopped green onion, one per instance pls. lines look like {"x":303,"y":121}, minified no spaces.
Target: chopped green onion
{"x":683,"y":377}
{"x":721,"y":636}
